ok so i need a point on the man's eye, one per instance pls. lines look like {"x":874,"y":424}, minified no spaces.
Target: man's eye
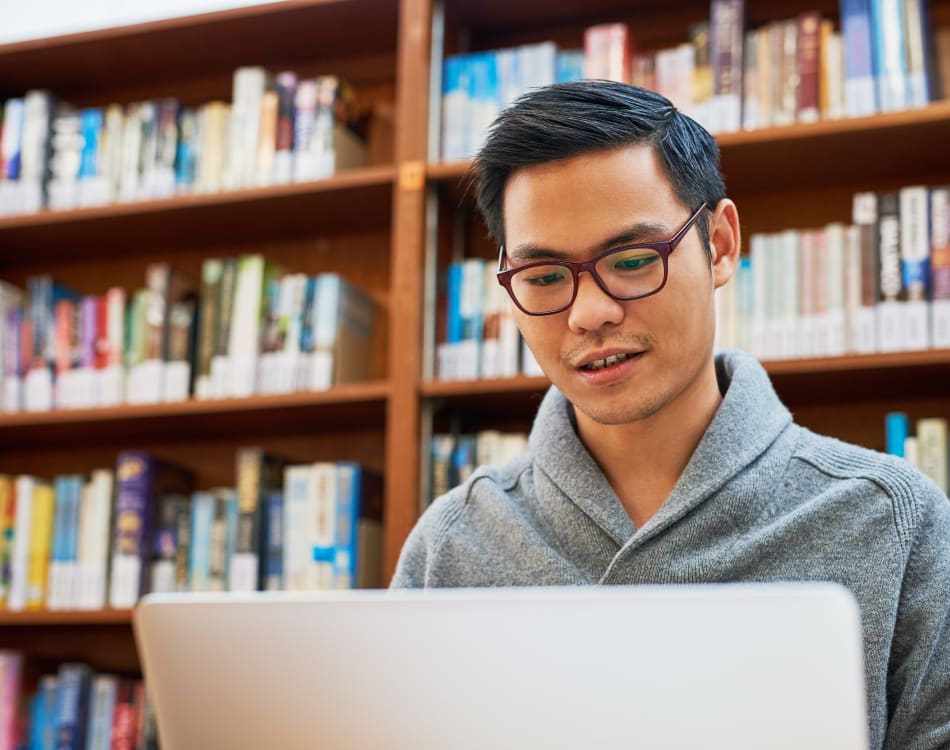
{"x":545,"y":279}
{"x":635,"y":263}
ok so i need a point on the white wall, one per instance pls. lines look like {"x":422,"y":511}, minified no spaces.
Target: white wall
{"x":30,"y":19}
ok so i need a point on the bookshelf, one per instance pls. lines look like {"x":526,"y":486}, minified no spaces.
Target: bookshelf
{"x":386,"y":226}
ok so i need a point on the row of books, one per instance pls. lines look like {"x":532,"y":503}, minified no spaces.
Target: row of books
{"x":480,"y":338}
{"x":80,"y":543}
{"x":74,"y":709}
{"x":455,"y":456}
{"x":275,"y":129}
{"x":728,"y":77}
{"x":925,"y":446}
{"x":247,"y":327}
{"x":880,"y":284}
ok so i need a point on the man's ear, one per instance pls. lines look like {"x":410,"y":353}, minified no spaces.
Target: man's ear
{"x":725,"y":241}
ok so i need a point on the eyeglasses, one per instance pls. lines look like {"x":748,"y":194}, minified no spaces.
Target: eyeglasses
{"x":624,"y":273}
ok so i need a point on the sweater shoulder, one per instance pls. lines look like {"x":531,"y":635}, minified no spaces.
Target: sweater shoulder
{"x":908,"y":491}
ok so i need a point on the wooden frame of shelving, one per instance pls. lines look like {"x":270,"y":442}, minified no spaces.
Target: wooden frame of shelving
{"x":389,"y":200}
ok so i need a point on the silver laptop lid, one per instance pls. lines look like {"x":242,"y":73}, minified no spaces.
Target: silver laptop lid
{"x":732,"y":666}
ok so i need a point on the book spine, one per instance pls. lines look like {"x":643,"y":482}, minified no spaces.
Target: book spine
{"x":199,"y":564}
{"x":223,"y":537}
{"x":132,"y":528}
{"x":891,"y":332}
{"x":607,"y":52}
{"x":918,"y":33}
{"x":95,"y":526}
{"x":102,"y":702}
{"x":932,"y":449}
{"x":323,"y":505}
{"x":297,"y":551}
{"x":727,"y":34}
{"x":859,"y":87}
{"x":11,"y":678}
{"x":274,"y":540}
{"x":19,"y":562}
{"x":809,"y":66}
{"x":915,"y":264}
{"x":889,"y":54}
{"x":7,"y":527}
{"x":41,"y":535}
{"x":245,"y":563}
{"x":286,"y":84}
{"x":940,"y":265}
{"x":43,"y":714}
{"x":72,"y":696}
{"x":896,"y":430}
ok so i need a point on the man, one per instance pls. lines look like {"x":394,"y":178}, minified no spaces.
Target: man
{"x":650,"y":460}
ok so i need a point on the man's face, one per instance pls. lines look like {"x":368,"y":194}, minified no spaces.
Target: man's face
{"x":576,"y":209}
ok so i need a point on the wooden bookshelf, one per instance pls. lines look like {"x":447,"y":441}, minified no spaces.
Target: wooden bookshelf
{"x":372,"y":225}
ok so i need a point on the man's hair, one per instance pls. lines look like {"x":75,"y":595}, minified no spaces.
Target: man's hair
{"x":565,"y":120}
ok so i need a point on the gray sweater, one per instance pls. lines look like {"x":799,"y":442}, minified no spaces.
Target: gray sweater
{"x":761,"y":499}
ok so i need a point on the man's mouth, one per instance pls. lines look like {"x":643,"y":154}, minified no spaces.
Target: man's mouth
{"x":600,"y":364}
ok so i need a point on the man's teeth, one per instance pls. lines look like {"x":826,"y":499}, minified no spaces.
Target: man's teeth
{"x":600,"y":364}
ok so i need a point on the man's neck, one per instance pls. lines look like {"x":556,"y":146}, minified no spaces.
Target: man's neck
{"x":643,"y":460}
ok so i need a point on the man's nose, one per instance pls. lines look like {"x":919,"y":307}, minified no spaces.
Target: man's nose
{"x":593,"y":308}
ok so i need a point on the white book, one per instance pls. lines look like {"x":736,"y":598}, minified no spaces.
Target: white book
{"x":940,"y":265}
{"x":791,"y":332}
{"x":890,"y":53}
{"x":529,"y":363}
{"x":322,"y":524}
{"x":298,"y":555}
{"x":249,"y":85}
{"x":835,"y":275}
{"x":20,"y":554}
{"x":38,"y":389}
{"x":95,"y":524}
{"x":243,"y":344}
{"x":932,"y":449}
{"x":915,"y":258}
{"x":915,"y":30}
{"x":758,"y":248}
{"x":37,"y":120}
{"x":864,"y":218}
{"x":102,"y":699}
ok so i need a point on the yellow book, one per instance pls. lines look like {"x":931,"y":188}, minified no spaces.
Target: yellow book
{"x":7,"y":513}
{"x":41,"y":542}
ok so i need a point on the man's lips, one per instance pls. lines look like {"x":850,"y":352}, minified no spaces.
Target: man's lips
{"x":600,"y":360}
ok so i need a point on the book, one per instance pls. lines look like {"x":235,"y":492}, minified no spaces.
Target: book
{"x":343,"y":321}
{"x":932,"y":449}
{"x":20,"y":554}
{"x":102,"y":701}
{"x":257,"y":473}
{"x":171,"y":541}
{"x":860,"y":89}
{"x":891,"y":330}
{"x":915,"y":264}
{"x":273,"y":544}
{"x":39,"y":578}
{"x":808,"y":50}
{"x":43,"y":714}
{"x":865,"y":219}
{"x":95,"y":525}
{"x":7,"y":528}
{"x":141,"y":479}
{"x":254,"y":273}
{"x":359,"y":528}
{"x":72,"y":696}
{"x":607,"y":52}
{"x":726,"y":42}
{"x":896,"y":430}
{"x":940,"y":265}
{"x":11,"y":677}
{"x":889,"y":54}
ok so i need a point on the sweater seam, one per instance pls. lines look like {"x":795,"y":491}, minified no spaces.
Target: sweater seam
{"x":896,"y":488}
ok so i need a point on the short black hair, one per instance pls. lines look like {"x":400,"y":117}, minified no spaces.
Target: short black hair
{"x":568,"y":119}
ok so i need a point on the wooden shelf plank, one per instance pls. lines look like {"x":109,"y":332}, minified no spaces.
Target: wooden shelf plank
{"x":359,"y":197}
{"x":91,"y":67}
{"x":818,"y":153}
{"x":256,"y":415}
{"x":66,"y":618}
{"x":859,"y":376}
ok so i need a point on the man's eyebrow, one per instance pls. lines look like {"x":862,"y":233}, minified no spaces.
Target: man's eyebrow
{"x":642,"y":231}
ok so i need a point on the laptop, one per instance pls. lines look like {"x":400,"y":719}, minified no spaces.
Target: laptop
{"x":738,"y":666}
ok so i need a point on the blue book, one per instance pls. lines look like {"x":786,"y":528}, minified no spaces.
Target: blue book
{"x":72,"y":698}
{"x":186,"y":156}
{"x":455,"y":107}
{"x":569,"y":65}
{"x":11,"y":141}
{"x":896,"y":431}
{"x":484,"y":99}
{"x":199,"y":562}
{"x":273,"y":535}
{"x":889,"y":54}
{"x":64,"y":555}
{"x":357,"y":558}
{"x":859,"y":88}
{"x":43,"y":715}
{"x":90,"y":125}
{"x":454,"y":301}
